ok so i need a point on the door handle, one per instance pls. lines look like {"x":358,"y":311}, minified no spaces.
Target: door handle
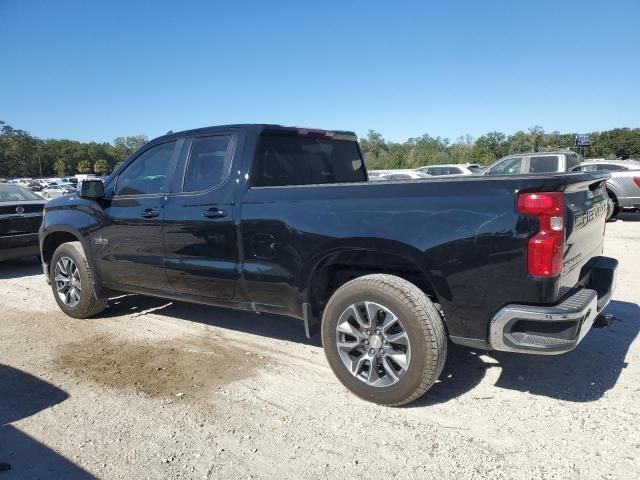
{"x":149,"y":213}
{"x":214,"y":213}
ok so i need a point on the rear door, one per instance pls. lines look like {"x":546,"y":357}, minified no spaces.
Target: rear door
{"x":199,"y":232}
{"x":129,"y":246}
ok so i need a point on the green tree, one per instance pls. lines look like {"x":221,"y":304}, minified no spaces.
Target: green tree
{"x":101,"y":166}
{"x":125,"y":146}
{"x":84,"y":166}
{"x":61,"y":167}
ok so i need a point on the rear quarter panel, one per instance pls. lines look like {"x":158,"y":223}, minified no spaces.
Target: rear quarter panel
{"x":464,"y":233}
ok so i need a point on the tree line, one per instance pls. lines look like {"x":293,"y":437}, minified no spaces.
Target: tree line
{"x":428,"y":150}
{"x":23,"y":155}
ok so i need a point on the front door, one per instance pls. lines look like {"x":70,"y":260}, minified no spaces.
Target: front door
{"x":199,"y":233}
{"x":129,"y":245}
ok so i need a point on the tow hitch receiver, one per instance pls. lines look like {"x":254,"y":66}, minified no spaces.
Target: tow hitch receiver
{"x":602,"y":321}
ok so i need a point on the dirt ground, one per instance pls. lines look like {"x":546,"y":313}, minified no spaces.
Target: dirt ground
{"x":159,"y":389}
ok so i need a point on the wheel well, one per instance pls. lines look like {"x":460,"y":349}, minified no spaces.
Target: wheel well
{"x":337,"y":269}
{"x":53,"y":241}
{"x":613,"y":196}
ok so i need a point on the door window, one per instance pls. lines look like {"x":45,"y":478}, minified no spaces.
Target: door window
{"x":546,"y":164}
{"x":585,"y":168}
{"x":509,"y":166}
{"x":610,"y":168}
{"x":148,"y":173}
{"x":208,"y":165}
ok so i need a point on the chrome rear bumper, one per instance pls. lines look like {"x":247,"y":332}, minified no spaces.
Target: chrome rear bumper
{"x":552,"y":330}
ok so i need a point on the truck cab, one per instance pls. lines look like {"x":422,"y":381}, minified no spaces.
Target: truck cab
{"x":539,"y":162}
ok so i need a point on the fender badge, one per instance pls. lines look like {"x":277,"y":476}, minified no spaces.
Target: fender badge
{"x":100,"y":240}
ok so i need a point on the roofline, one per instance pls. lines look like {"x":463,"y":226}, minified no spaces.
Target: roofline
{"x":247,"y":126}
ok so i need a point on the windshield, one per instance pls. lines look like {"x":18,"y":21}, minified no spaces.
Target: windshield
{"x":15,"y":193}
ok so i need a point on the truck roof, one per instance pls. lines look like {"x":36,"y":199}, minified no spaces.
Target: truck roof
{"x":541,"y":154}
{"x":251,"y":126}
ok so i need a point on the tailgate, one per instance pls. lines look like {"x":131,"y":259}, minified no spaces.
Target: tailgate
{"x":585,"y":216}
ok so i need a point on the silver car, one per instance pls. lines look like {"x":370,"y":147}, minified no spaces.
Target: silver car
{"x":623,"y":186}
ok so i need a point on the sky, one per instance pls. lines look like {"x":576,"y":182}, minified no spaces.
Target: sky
{"x":92,"y":71}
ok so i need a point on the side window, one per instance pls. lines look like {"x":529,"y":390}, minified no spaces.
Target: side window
{"x":148,"y":173}
{"x":302,"y":160}
{"x":510,"y":166}
{"x":546,"y":164}
{"x":610,"y":168}
{"x":208,"y":162}
{"x":572,"y":161}
{"x":585,"y":168}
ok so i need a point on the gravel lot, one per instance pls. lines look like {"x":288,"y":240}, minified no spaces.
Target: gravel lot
{"x":158,"y":389}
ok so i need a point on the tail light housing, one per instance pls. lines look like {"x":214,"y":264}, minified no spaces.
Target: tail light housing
{"x":637,"y":180}
{"x":545,"y":249}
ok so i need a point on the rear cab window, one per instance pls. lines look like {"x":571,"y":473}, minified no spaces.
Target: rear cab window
{"x":15,"y":193}
{"x":285,"y":158}
{"x":544,"y":164}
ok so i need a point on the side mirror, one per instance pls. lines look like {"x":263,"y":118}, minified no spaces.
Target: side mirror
{"x":93,"y":189}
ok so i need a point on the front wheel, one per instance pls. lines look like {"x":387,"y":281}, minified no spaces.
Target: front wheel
{"x":72,"y":282}
{"x":384,"y":339}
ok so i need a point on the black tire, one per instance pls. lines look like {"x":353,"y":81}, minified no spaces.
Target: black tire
{"x":420,"y":320}
{"x":88,"y":305}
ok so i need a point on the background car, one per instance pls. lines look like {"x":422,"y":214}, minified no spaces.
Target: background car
{"x":35,"y":186}
{"x":20,"y":219}
{"x":452,"y":169}
{"x":399,"y":174}
{"x":538,"y":162}
{"x":53,"y":191}
{"x":68,"y":187}
{"x":624,"y":185}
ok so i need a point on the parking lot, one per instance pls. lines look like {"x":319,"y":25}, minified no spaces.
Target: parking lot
{"x":159,"y":389}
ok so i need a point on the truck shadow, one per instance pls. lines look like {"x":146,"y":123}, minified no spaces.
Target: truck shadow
{"x":22,"y":267}
{"x":583,"y":375}
{"x":263,"y":324}
{"x":628,"y":217}
{"x":23,"y":395}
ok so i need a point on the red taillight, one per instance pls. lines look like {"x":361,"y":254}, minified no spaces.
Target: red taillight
{"x":545,"y":250}
{"x":637,"y":180}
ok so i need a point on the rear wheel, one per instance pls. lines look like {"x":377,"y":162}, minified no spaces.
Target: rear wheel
{"x":384,"y":339}
{"x":72,"y":282}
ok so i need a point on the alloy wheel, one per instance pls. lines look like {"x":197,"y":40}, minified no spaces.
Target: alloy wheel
{"x":68,"y":282}
{"x":373,"y":344}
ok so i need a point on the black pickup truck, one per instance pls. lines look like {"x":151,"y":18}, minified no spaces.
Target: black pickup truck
{"x":284,"y":220}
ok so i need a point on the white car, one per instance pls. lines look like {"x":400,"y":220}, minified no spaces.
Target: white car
{"x":453,"y":169}
{"x":399,"y":174}
{"x":53,"y":191}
